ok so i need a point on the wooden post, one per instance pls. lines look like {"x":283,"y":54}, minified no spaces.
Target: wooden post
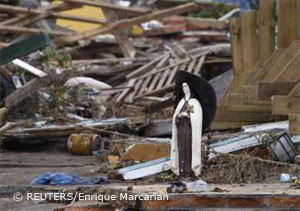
{"x":266,"y":28}
{"x":237,"y":57}
{"x":287,"y":22}
{"x":249,"y":40}
{"x":122,"y":39}
{"x":294,"y":124}
{"x":298,"y":20}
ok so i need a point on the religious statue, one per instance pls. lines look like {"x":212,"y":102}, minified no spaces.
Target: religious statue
{"x":195,"y":109}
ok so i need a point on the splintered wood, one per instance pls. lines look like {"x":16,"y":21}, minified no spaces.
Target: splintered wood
{"x":160,"y":78}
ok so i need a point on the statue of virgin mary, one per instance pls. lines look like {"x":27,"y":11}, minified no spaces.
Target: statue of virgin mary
{"x":195,"y":105}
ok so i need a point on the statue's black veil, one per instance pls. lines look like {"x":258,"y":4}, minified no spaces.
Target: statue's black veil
{"x":201,"y":90}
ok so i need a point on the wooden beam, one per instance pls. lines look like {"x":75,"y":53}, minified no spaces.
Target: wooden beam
{"x":122,"y":39}
{"x":22,"y":10}
{"x":237,"y":58}
{"x":110,"y":6}
{"x":223,"y":115}
{"x":237,"y":53}
{"x":198,"y":23}
{"x":267,"y":89}
{"x":29,"y":19}
{"x":269,"y":74}
{"x":294,"y":124}
{"x":235,"y":103}
{"x":144,"y":69}
{"x":76,"y":18}
{"x":14,"y":20}
{"x":266,"y":66}
{"x":285,"y":105}
{"x":298,"y":21}
{"x":17,"y":29}
{"x":125,"y":23}
{"x":296,"y":90}
{"x":291,"y":72}
{"x":266,"y":28}
{"x":287,"y":22}
{"x":250,"y":96}
{"x":19,"y":95}
{"x":32,"y":86}
{"x":249,"y":40}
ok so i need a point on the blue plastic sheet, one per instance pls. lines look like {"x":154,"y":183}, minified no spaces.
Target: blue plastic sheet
{"x":61,"y":178}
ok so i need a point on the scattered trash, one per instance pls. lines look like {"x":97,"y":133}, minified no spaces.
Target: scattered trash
{"x":283,"y":147}
{"x":197,"y":186}
{"x":83,"y":144}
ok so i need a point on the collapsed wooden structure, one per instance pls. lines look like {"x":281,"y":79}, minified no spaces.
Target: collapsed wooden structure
{"x":266,"y":79}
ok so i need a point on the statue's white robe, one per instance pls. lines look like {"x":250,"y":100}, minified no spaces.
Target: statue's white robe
{"x":196,"y":123}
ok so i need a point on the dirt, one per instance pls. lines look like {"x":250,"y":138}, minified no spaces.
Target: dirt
{"x":19,"y":168}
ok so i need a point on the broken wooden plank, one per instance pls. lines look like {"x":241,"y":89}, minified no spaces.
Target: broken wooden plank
{"x":110,"y":61}
{"x":29,"y":68}
{"x":163,"y":78}
{"x":285,"y":105}
{"x":172,"y":76}
{"x":198,"y":66}
{"x":191,"y":65}
{"x":24,"y":20}
{"x":266,"y":28}
{"x":145,"y":85}
{"x":199,"y":23}
{"x":17,"y":29}
{"x":287,"y":22}
{"x":45,"y":13}
{"x":125,"y":23}
{"x":121,"y":37}
{"x":19,"y":95}
{"x":136,"y":89}
{"x":110,"y":6}
{"x":147,"y":67}
{"x":123,"y":94}
{"x":249,"y":40}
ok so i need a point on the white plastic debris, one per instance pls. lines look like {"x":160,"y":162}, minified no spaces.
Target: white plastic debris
{"x":89,"y":82}
{"x":197,"y":186}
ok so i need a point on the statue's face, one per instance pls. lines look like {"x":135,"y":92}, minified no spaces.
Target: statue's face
{"x":186,"y":89}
